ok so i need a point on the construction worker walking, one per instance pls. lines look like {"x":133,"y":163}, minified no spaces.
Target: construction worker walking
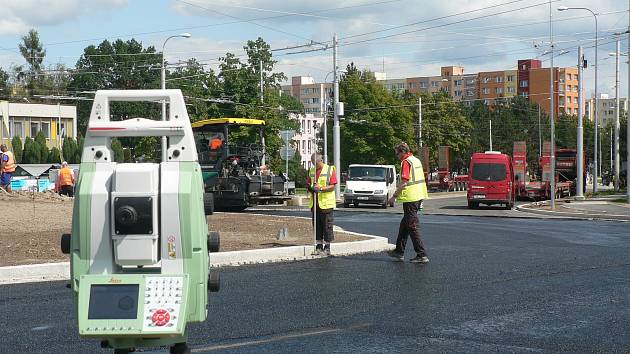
{"x":66,"y":180}
{"x":411,"y":191}
{"x":7,"y":167}
{"x":321,"y":186}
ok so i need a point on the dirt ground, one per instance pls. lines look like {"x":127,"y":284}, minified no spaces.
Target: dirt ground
{"x":31,"y":226}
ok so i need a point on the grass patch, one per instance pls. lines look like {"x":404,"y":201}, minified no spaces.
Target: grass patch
{"x":620,"y":200}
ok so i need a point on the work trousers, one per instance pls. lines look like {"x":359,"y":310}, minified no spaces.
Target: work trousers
{"x":324,"y":230}
{"x":410,"y":227}
{"x":67,"y":190}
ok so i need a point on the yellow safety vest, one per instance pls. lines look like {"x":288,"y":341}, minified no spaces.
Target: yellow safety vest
{"x":9,"y":167}
{"x":416,"y":188}
{"x":325,"y":200}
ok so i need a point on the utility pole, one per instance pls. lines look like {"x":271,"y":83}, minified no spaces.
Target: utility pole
{"x":325,"y":125}
{"x":552,"y":160}
{"x":262,"y":94}
{"x":336,"y":132}
{"x":539,"y":134}
{"x":579,"y":195}
{"x":628,"y":120}
{"x":491,"y":135}
{"x":419,"y":123}
{"x":616,"y":168}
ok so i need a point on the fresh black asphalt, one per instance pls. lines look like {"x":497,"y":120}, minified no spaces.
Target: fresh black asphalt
{"x":493,"y":285}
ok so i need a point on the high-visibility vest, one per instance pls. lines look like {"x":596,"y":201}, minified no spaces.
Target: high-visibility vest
{"x":325,"y":200}
{"x":65,"y":177}
{"x":416,"y":188}
{"x":10,"y":164}
{"x":216,"y":144}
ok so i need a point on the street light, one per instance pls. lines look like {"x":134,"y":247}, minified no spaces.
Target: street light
{"x":595,"y":162}
{"x":325,"y":115}
{"x":163,"y":79}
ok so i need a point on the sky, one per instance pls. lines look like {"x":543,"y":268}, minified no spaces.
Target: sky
{"x":404,"y":38}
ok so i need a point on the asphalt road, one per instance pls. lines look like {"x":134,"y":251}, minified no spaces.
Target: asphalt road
{"x":493,"y":285}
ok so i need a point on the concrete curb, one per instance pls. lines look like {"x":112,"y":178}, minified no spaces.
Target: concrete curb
{"x":568,"y":215}
{"x":61,"y":271}
{"x":35,"y":273}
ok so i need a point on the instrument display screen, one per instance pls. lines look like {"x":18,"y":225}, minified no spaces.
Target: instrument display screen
{"x":115,"y":301}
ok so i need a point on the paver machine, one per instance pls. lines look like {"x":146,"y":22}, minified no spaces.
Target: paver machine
{"x":233,"y":170}
{"x":139,"y":242}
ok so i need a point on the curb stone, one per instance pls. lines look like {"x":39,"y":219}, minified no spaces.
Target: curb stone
{"x":61,"y":271}
{"x":569,"y":215}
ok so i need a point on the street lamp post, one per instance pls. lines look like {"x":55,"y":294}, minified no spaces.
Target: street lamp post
{"x":595,"y":147}
{"x":163,"y":80}
{"x":615,"y":165}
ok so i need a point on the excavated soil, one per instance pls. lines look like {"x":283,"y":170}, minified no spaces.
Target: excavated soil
{"x":31,"y":225}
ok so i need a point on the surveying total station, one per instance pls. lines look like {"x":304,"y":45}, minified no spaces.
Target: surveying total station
{"x":139,"y":243}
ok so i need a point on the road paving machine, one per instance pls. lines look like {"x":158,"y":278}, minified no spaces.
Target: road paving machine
{"x":139,"y":242}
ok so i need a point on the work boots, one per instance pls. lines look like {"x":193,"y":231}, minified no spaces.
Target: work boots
{"x":319,"y":250}
{"x":327,"y":249}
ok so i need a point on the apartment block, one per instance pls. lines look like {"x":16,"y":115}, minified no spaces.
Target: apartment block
{"x":605,"y":109}
{"x":565,"y":89}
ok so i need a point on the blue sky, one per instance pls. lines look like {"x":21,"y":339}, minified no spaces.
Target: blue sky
{"x":493,"y":42}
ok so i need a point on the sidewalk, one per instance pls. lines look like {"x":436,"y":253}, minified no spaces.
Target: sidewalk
{"x":596,"y":208}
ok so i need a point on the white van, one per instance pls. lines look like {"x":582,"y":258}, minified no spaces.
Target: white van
{"x":370,"y":184}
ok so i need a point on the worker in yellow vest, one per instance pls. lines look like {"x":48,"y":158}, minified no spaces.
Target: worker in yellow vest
{"x":321,"y":186}
{"x":66,"y":180}
{"x":7,"y":167}
{"x":411,"y":191}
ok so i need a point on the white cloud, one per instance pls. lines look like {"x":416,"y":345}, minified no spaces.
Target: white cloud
{"x":21,"y":15}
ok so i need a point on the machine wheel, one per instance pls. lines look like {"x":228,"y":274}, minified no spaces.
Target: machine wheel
{"x":179,"y":348}
{"x":346,"y":205}
{"x":214,"y":282}
{"x":65,"y":243}
{"x":208,"y":203}
{"x":473,"y":205}
{"x":356,"y":205}
{"x":214,"y":241}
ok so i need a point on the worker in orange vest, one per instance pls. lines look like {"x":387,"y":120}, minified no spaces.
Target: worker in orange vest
{"x":7,"y":167}
{"x":66,"y":180}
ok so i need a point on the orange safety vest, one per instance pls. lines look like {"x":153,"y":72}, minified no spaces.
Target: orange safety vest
{"x":215,"y":144}
{"x":10,"y":164}
{"x":65,"y":177}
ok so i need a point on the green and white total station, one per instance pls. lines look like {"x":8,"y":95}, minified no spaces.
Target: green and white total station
{"x":139,"y":242}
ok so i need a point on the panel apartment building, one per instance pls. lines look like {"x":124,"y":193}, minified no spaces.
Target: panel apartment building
{"x":529,"y":80}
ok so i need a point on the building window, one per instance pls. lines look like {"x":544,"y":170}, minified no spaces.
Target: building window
{"x":511,"y":89}
{"x":524,"y":83}
{"x":499,"y":79}
{"x":434,"y":84}
{"x":569,"y":99}
{"x":523,"y":67}
{"x":510,"y":78}
{"x":498,"y":90}
{"x":486,"y":90}
{"x":45,"y":129}
{"x":34,"y":129}
{"x":17,"y":129}
{"x":471,"y":81}
{"x":458,"y":82}
{"x":458,"y":93}
{"x":470,"y":93}
{"x":423,"y":85}
{"x":575,"y":89}
{"x":486,"y":80}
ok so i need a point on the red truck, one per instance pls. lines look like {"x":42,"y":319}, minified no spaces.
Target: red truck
{"x":444,"y":180}
{"x":566,"y":173}
{"x":491,"y":180}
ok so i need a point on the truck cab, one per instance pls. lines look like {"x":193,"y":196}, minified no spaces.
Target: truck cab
{"x":491,"y":180}
{"x":370,"y":184}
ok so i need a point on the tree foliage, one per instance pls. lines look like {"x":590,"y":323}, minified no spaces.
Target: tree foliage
{"x":33,"y":52}
{"x":40,"y":140}
{"x":32,"y":152}
{"x":16,"y":147}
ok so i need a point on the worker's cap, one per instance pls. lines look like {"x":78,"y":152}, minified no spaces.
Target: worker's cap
{"x":64,"y":163}
{"x":3,"y":146}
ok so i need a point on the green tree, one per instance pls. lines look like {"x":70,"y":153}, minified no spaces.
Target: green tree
{"x":70,"y":150}
{"x":4,"y":83}
{"x":148,"y":149}
{"x":54,"y":155}
{"x":40,"y":140}
{"x":16,"y":147}
{"x":33,"y":52}
{"x":32,"y":152}
{"x":119,"y":155}
{"x":117,"y":65}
